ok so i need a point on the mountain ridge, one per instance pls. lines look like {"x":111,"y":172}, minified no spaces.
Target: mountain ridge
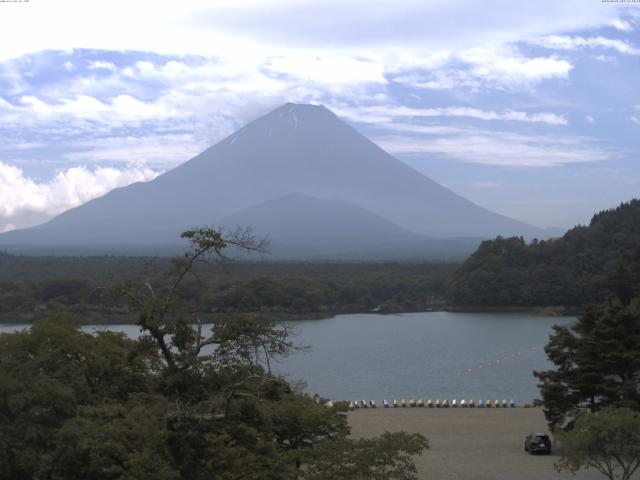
{"x":295,"y":148}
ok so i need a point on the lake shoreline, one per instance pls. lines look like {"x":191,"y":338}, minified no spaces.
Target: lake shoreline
{"x":546,"y":311}
{"x":95,"y":318}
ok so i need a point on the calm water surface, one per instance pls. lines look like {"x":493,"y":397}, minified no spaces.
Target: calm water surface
{"x":415,"y":355}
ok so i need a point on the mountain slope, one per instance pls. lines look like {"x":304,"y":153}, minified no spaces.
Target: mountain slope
{"x":311,"y":220}
{"x":304,"y":227}
{"x":295,"y":148}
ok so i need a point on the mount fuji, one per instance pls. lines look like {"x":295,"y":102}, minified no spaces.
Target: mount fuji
{"x":298,"y":174}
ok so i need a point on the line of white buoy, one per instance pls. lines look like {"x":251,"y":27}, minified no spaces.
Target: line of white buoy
{"x":464,"y":403}
{"x":496,"y":361}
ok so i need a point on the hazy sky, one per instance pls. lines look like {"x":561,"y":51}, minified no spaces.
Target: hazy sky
{"x":531,"y":109}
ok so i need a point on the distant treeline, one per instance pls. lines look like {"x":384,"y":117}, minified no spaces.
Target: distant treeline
{"x":506,"y":272}
{"x":33,"y":287}
{"x":572,"y":270}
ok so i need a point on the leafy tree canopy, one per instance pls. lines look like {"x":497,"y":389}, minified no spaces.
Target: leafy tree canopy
{"x":597,"y":360}
{"x":607,"y":441}
{"x":572,"y":270}
{"x":180,"y":402}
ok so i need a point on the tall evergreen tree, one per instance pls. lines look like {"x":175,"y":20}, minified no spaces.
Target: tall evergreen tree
{"x":598,"y":359}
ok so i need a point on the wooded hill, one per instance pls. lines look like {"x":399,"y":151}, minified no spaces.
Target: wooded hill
{"x":571,"y":270}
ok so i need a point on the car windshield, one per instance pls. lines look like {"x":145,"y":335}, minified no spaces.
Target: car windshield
{"x":541,"y":438}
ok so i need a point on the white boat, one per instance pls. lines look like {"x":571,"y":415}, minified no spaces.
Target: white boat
{"x":454,"y":403}
{"x":385,"y":404}
{"x":430,"y":403}
{"x":372,"y":404}
{"x":403,"y":403}
{"x":395,"y":404}
{"x":421,"y":403}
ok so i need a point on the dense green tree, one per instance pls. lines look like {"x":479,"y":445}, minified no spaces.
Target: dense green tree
{"x":115,"y":441}
{"x":597,"y":362}
{"x":383,"y":458}
{"x":569,"y":271}
{"x":48,"y":375}
{"x":607,"y":441}
{"x":280,"y":290}
{"x":625,"y":281}
{"x":179,"y":402}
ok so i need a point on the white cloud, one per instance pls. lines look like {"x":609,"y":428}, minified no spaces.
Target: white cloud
{"x":606,"y":58}
{"x":621,"y":25}
{"x":102,"y":65}
{"x":635,"y":120}
{"x":404,"y":24}
{"x":565,"y":42}
{"x":22,"y":196}
{"x":379,"y":114}
{"x":123,"y":107}
{"x":328,"y":70}
{"x":498,"y":148}
{"x":84,"y":112}
{"x":158,"y":150}
{"x":240,"y":28}
{"x":490,"y":67}
{"x":590,"y":119}
{"x":515,"y":69}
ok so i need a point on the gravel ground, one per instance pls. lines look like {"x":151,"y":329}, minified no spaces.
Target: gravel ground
{"x":469,"y":443}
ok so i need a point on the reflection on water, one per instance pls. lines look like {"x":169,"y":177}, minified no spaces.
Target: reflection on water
{"x":423,"y":355}
{"x":416,"y":355}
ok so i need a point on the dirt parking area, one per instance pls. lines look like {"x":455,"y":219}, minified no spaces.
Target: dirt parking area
{"x":469,"y":443}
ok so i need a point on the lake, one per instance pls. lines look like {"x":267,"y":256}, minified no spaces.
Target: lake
{"x":415,"y":355}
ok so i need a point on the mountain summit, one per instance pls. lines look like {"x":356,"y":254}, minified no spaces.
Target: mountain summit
{"x":300,"y":150}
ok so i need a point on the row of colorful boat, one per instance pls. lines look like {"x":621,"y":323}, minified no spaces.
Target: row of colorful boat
{"x":434,"y":404}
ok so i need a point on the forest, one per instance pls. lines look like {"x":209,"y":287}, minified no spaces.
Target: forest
{"x":183,"y":401}
{"x":31,"y":287}
{"x":571,"y":270}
